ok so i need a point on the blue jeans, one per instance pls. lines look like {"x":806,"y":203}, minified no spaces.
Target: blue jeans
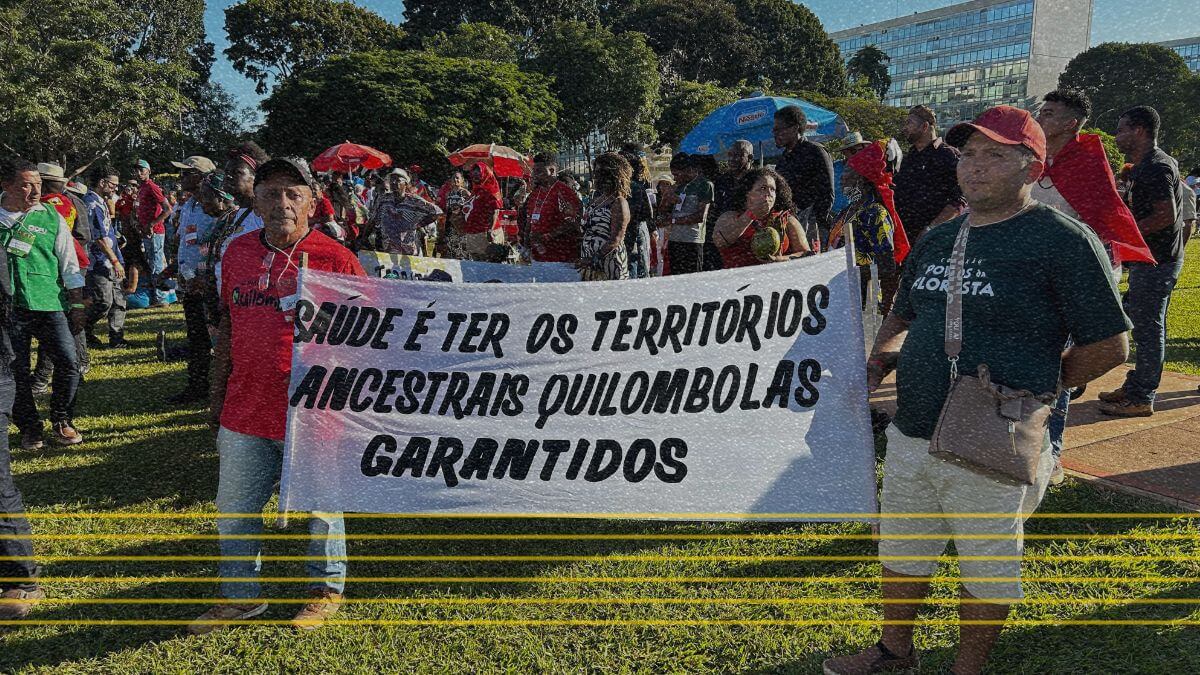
{"x":54,"y":337}
{"x":156,"y":257}
{"x":1058,"y":423}
{"x":637,"y":243}
{"x":250,"y":467}
{"x":16,"y":549}
{"x":1146,"y":303}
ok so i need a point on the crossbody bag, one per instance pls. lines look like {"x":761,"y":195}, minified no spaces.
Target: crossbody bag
{"x":985,"y":426}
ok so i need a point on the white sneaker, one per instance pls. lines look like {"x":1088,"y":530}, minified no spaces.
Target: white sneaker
{"x":1057,"y":476}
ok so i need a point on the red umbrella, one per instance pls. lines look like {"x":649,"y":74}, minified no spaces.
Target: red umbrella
{"x":347,"y":157}
{"x":505,"y":162}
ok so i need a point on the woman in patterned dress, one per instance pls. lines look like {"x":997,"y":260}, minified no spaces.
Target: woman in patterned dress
{"x":602,"y":253}
{"x":879,"y":236}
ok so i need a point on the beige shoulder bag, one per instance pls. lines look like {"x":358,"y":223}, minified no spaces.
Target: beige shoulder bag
{"x":984,"y":426}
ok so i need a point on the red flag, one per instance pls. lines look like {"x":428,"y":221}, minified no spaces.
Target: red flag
{"x":1081,"y":174}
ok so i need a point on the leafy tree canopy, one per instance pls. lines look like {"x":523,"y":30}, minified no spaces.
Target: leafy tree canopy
{"x":685,"y":104}
{"x":1118,"y":76}
{"x":1116,"y":159}
{"x":607,"y":82}
{"x":272,"y":39}
{"x":523,"y":17}
{"x":80,"y":77}
{"x":870,"y":66}
{"x":698,"y":40}
{"x":792,"y":49}
{"x":733,"y":41}
{"x":477,"y":40}
{"x":414,"y":105}
{"x":867,"y":116}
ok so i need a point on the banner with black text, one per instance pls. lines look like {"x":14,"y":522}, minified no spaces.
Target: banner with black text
{"x":715,"y":395}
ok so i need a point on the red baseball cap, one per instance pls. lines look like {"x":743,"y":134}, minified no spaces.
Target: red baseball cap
{"x":1003,"y":124}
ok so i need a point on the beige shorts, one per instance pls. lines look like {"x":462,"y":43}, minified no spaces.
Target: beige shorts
{"x":989,"y":548}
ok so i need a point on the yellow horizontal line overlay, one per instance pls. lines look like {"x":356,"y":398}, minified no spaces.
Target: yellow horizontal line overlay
{"x":814,"y":536}
{"x":665,"y":623}
{"x":620,"y":601}
{"x":640,"y":516}
{"x":609,"y":558}
{"x":602,"y":580}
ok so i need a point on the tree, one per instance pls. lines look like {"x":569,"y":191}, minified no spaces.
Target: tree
{"x":793,"y":50}
{"x":607,"y":83}
{"x":213,"y":123}
{"x":867,"y":116}
{"x":685,"y":104}
{"x":527,"y":18}
{"x":698,"y":40}
{"x":80,"y":77}
{"x":272,"y":39}
{"x":755,"y":42}
{"x":1118,"y":76}
{"x":870,"y":65}
{"x":414,"y":105}
{"x":216,"y":123}
{"x":477,"y":41}
{"x":1116,"y":159}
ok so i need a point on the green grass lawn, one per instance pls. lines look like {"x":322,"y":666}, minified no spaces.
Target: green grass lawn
{"x":1183,"y":322}
{"x":578,"y":595}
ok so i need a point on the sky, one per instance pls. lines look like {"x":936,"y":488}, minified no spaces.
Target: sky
{"x":1112,"y":21}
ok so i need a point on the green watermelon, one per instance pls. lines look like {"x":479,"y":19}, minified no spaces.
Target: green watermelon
{"x":766,"y":243}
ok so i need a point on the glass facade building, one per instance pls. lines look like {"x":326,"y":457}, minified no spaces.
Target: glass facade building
{"x":961,"y":60}
{"x":1189,"y":49}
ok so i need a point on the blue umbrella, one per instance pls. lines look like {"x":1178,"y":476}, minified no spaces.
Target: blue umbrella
{"x":752,"y":119}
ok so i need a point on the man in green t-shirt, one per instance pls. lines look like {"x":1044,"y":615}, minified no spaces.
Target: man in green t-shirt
{"x":1032,"y":277}
{"x":685,"y":250}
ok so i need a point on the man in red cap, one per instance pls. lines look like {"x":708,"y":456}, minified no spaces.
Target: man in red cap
{"x":1031,"y":277}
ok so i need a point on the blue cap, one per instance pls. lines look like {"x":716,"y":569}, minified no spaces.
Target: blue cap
{"x":142,"y":164}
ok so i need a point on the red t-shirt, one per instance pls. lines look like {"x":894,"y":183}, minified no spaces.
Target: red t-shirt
{"x":482,"y":214}
{"x":150,"y":206}
{"x":125,"y":207}
{"x":261,"y":348}
{"x":545,"y":208}
{"x":324,"y":211}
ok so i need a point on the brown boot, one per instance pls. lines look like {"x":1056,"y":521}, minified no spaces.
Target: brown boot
{"x":1113,"y":396}
{"x":312,"y":616}
{"x":1127,"y":408}
{"x":874,"y":659}
{"x":31,"y":440}
{"x":16,"y":604}
{"x":65,"y":434}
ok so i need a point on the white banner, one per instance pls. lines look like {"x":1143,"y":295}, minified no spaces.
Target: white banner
{"x":419,"y":268}
{"x":703,"y":396}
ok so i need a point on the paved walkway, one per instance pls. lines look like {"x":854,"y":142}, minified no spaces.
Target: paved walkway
{"x":1156,"y":457}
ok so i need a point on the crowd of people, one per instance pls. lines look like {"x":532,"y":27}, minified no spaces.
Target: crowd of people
{"x":1043,"y":317}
